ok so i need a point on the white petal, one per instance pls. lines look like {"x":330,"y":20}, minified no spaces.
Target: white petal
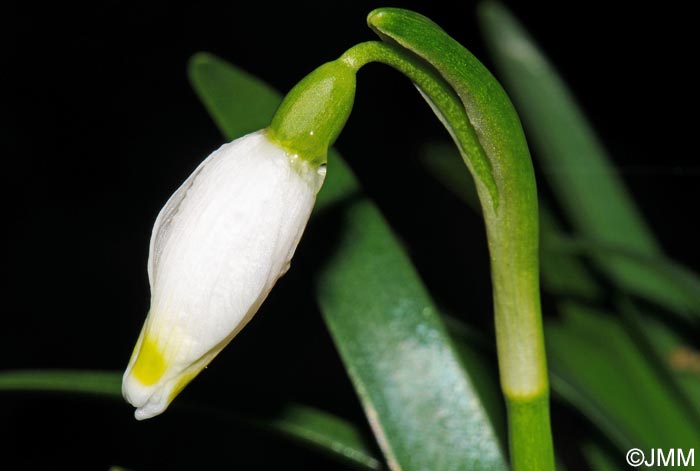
{"x":217,"y":248}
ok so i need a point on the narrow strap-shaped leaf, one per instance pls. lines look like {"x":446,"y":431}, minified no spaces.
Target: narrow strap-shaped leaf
{"x":600,"y":458}
{"x":442,"y":422}
{"x":686,"y":281}
{"x":238,"y":102}
{"x":479,"y":357}
{"x":416,"y":394}
{"x":602,"y":371}
{"x":106,"y":384}
{"x":563,"y":273}
{"x":676,"y":357}
{"x":575,"y":162}
{"x":316,"y":429}
{"x":323,"y":432}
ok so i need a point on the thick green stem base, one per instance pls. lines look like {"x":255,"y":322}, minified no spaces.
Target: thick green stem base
{"x":530,"y":434}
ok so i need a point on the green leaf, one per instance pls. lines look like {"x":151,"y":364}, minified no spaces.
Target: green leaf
{"x":563,"y":273}
{"x":238,"y":102}
{"x":479,"y":358}
{"x":420,"y":402}
{"x":596,"y":365}
{"x":575,"y":162}
{"x":444,"y":421}
{"x":99,"y":383}
{"x":686,"y":282}
{"x":324,"y":432}
{"x":600,"y":458}
{"x":670,"y":351}
{"x":316,"y":429}
{"x":339,"y":186}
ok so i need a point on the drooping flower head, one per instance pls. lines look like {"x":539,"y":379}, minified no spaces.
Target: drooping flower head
{"x":228,"y":234}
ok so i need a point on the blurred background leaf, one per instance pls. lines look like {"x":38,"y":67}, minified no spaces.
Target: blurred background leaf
{"x":311,"y":427}
{"x":575,"y":163}
{"x":598,"y":368}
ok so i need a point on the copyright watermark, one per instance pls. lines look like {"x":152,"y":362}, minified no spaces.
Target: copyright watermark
{"x":671,"y":457}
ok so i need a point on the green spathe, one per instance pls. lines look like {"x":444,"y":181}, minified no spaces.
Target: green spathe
{"x":314,"y":112}
{"x":492,"y":130}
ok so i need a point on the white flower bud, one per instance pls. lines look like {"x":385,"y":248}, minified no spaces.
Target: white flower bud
{"x":217,"y":248}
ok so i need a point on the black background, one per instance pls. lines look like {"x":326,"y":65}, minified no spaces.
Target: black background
{"x":101,"y":126}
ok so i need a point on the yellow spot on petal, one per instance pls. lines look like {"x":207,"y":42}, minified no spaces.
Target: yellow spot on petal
{"x":150,"y":363}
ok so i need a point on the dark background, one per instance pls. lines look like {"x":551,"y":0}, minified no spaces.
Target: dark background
{"x":101,"y":126}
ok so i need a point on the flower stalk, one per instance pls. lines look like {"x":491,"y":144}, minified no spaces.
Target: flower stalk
{"x":486,"y":129}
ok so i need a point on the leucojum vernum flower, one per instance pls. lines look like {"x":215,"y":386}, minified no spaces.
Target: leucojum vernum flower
{"x":229,"y":233}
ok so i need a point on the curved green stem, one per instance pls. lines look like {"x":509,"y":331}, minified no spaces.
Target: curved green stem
{"x":443,"y":100}
{"x":481,"y":120}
